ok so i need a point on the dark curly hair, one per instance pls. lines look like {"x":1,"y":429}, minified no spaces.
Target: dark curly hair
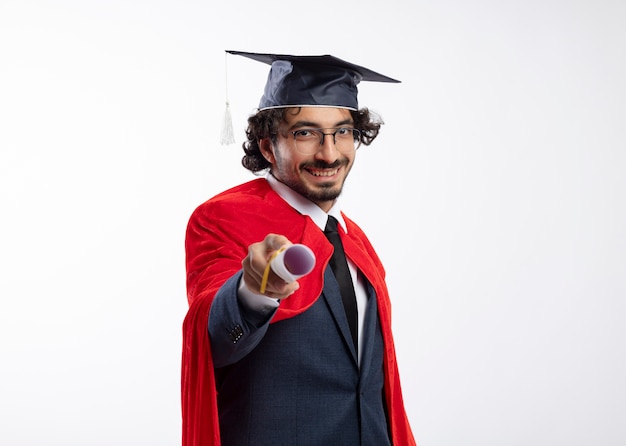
{"x":265,"y":124}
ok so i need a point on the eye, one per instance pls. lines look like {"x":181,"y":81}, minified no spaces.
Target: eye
{"x":304,"y":134}
{"x":345,"y":133}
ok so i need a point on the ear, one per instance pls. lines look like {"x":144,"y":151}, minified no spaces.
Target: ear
{"x":267,"y":150}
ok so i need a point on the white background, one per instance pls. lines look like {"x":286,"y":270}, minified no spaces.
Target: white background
{"x":495,"y":196}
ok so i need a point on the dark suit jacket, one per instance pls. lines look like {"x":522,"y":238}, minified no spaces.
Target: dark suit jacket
{"x":297,"y":382}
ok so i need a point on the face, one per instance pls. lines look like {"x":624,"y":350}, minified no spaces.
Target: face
{"x":319,"y":176}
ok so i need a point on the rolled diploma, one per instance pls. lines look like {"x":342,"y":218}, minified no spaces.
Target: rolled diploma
{"x":294,"y":262}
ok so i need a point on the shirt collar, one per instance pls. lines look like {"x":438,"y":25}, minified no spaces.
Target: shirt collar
{"x":306,"y":206}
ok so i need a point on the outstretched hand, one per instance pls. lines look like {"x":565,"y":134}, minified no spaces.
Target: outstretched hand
{"x":255,"y":263}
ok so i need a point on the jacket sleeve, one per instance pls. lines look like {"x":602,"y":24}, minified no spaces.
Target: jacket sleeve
{"x":233,"y":331}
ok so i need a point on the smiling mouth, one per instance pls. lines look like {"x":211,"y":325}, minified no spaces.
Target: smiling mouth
{"x":323,"y":173}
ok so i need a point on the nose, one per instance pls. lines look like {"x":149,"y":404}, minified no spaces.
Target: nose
{"x":328,"y":150}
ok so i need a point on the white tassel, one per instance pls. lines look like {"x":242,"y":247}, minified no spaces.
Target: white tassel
{"x":228,"y":135}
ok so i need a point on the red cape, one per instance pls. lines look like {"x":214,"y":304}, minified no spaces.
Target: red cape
{"x":217,"y":240}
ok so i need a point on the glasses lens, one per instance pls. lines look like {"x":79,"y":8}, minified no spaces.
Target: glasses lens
{"x":308,"y":141}
{"x":347,"y":139}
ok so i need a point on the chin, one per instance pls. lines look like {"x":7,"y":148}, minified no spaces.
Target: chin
{"x":324,"y":193}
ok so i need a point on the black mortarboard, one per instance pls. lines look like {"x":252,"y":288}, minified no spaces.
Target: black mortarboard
{"x":324,"y":81}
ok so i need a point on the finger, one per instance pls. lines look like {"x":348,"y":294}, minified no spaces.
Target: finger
{"x":281,"y":290}
{"x":251,"y":275}
{"x":256,"y":259}
{"x":275,"y":286}
{"x":275,"y":241}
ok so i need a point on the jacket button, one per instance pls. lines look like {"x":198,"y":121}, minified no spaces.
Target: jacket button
{"x":236,"y":333}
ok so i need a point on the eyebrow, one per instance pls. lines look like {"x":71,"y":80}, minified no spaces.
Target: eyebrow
{"x":300,"y":124}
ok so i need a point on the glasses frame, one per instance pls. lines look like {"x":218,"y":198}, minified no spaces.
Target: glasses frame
{"x":356,"y":137}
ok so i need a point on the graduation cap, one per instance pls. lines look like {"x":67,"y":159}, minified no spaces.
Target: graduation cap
{"x":311,"y":81}
{"x":296,"y":81}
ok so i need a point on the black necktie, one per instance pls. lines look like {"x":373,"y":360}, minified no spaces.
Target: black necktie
{"x":339,"y":265}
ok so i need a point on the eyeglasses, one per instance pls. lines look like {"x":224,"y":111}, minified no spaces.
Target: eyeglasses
{"x":309,"y":141}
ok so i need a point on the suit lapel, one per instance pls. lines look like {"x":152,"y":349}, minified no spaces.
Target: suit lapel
{"x":369,"y":332}
{"x":333,"y":299}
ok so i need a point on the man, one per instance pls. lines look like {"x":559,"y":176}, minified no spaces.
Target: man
{"x":306,"y":362}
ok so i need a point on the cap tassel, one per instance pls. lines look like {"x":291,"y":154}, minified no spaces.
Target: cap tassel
{"x":228,"y":135}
